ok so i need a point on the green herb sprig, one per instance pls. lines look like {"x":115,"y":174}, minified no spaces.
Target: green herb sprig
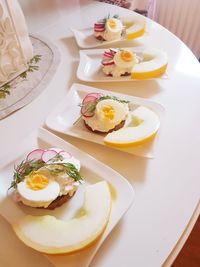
{"x":28,"y":166}
{"x":109,"y":16}
{"x":113,"y":98}
{"x":68,"y":168}
{"x":23,"y":169}
{"x":32,"y":66}
{"x":5,"y":90}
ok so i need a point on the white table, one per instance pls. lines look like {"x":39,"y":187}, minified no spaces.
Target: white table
{"x":167,"y":187}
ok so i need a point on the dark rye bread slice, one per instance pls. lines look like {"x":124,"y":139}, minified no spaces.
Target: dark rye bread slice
{"x":125,"y":74}
{"x":117,"y":127}
{"x":100,"y":38}
{"x":59,"y":201}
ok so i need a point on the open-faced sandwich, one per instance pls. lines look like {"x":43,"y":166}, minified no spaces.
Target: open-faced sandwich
{"x":115,"y":28}
{"x":109,"y":29}
{"x":115,"y":118}
{"x":118,"y":62}
{"x":149,"y":63}
{"x":46,"y":179}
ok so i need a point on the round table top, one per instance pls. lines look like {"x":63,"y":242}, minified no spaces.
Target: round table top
{"x":167,"y":187}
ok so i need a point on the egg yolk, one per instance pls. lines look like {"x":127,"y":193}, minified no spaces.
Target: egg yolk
{"x":126,"y":56}
{"x":37,"y":181}
{"x":108,"y":112}
{"x":111,"y":23}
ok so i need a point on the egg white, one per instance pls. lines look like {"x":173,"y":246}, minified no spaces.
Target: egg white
{"x":98,"y":122}
{"x":38,"y":198}
{"x":117,"y":28}
{"x":122,"y":63}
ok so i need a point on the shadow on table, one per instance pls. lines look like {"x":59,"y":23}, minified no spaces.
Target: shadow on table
{"x":71,"y":45}
{"x":106,"y":248}
{"x":145,"y":89}
{"x":133,"y":168}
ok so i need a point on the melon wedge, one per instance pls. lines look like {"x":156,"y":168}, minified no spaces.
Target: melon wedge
{"x":154,"y":64}
{"x":144,"y":125}
{"x":53,"y":236}
{"x":135,"y":26}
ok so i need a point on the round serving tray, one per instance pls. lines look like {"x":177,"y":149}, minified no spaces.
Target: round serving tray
{"x":26,"y":87}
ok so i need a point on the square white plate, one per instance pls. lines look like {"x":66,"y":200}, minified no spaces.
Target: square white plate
{"x":61,"y":119}
{"x":92,"y":171}
{"x":85,"y":37}
{"x":90,"y":67}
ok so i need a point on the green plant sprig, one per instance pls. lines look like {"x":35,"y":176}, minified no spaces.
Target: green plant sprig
{"x":23,"y":169}
{"x":28,"y":166}
{"x":113,"y":98}
{"x":68,"y":168}
{"x":104,"y":20}
{"x":5,"y":89}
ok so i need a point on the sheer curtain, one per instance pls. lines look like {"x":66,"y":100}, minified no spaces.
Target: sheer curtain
{"x":145,"y":7}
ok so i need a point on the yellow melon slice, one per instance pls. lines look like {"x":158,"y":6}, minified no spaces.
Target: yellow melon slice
{"x":145,"y":124}
{"x":54,"y":236}
{"x":154,"y":64}
{"x":135,"y":26}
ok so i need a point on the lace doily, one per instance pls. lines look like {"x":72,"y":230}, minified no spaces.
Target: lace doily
{"x":26,"y":87}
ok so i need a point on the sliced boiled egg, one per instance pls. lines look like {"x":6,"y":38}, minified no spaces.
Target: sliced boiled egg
{"x":110,"y":110}
{"x":113,"y":25}
{"x":125,"y":59}
{"x":38,"y":189}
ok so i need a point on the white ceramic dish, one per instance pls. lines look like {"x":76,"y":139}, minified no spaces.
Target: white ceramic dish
{"x":92,"y":171}
{"x":61,"y":119}
{"x":85,"y":37}
{"x":90,"y":68}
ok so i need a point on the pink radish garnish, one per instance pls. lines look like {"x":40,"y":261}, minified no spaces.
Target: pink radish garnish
{"x":36,"y":154}
{"x":99,"y":24}
{"x":89,"y":104}
{"x":99,"y":30}
{"x":107,"y":54}
{"x":66,"y":155}
{"x":107,"y":62}
{"x":49,"y":154}
{"x":91,"y":97}
{"x":87,"y":109}
{"x":113,"y":51}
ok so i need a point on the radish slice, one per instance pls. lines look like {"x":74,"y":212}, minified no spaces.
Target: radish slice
{"x":113,"y":51}
{"x":66,"y":155}
{"x":91,"y":97}
{"x":35,"y":154}
{"x":48,"y":154}
{"x":88,"y":109}
{"x":107,"y":54}
{"x":107,"y":63}
{"x":99,"y":30}
{"x":99,"y":24}
{"x":99,"y":27}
